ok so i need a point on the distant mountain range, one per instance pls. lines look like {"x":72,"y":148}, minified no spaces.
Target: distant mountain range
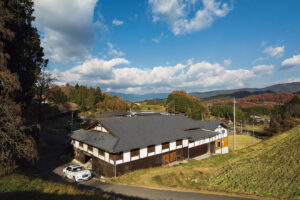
{"x":237,"y":93}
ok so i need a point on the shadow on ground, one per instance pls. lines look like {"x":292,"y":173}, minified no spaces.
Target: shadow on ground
{"x":48,"y":196}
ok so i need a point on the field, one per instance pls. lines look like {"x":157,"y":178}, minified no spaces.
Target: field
{"x":269,"y":169}
{"x":242,"y":141}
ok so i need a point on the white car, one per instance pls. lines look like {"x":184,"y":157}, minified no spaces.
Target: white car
{"x":77,"y":173}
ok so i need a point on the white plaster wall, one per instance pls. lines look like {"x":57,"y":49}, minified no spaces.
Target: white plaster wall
{"x":76,"y":143}
{"x":95,"y":151}
{"x":158,"y":149}
{"x":143,"y":152}
{"x":197,"y":143}
{"x":101,"y":157}
{"x":126,"y":156}
{"x":191,"y":144}
{"x":222,"y":150}
{"x":111,"y":162}
{"x":165,"y":150}
{"x":85,"y":147}
{"x":106,"y":157}
{"x":206,"y":140}
{"x":185,"y":142}
{"x":225,"y":150}
{"x":151,"y":154}
{"x":134,"y":157}
{"x":119,"y":162}
{"x":179,"y":147}
{"x":172,"y":146}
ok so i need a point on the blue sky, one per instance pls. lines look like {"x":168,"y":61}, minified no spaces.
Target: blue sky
{"x":154,"y":46}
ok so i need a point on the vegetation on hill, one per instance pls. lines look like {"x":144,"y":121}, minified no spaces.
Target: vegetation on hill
{"x":88,"y":99}
{"x":181,"y":102}
{"x":268,"y":169}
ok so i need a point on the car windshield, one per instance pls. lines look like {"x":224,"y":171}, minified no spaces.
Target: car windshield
{"x":77,"y":169}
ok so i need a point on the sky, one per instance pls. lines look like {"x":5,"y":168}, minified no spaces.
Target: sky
{"x":157,"y":46}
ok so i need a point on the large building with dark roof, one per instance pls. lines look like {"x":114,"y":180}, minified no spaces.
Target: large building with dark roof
{"x":119,"y":145}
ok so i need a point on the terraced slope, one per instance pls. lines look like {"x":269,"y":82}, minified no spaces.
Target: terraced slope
{"x":268,"y":169}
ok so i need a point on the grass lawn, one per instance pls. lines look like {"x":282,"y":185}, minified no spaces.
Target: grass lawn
{"x":20,"y":185}
{"x":242,"y":141}
{"x":269,"y":169}
{"x":153,"y":108}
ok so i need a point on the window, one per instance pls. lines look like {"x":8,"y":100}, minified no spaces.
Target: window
{"x":219,"y":144}
{"x":100,"y":152}
{"x":90,"y":148}
{"x":151,"y":148}
{"x":119,"y":156}
{"x":80,"y":144}
{"x":178,"y":142}
{"x":165,"y":145}
{"x":111,"y":156}
{"x":135,"y":152}
{"x":223,"y":131}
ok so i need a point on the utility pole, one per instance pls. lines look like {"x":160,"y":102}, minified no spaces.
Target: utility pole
{"x":253,"y":132}
{"x":242,"y":127}
{"x":72,"y":121}
{"x":234,"y":132}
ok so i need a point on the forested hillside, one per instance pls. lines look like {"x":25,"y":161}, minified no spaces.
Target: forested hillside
{"x":181,"y":102}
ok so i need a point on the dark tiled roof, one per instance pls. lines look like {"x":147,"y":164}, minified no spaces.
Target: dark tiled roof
{"x":137,"y":132}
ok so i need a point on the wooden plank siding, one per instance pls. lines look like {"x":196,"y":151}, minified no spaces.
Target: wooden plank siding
{"x":198,"y":150}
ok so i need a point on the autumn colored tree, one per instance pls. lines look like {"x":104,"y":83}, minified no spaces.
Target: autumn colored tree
{"x":181,"y":102}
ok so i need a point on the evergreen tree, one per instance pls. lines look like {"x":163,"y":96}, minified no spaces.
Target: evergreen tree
{"x":15,"y":144}
{"x":24,"y":49}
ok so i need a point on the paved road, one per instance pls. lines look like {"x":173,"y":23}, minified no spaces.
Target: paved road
{"x":50,"y":165}
{"x":147,"y":193}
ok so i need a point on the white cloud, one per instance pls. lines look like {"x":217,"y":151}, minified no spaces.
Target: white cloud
{"x":291,"y":80}
{"x":290,"y":62}
{"x":227,"y":62}
{"x":67,"y":28}
{"x":113,"y":51}
{"x":176,"y":14}
{"x":263,"y":69}
{"x":157,"y":40}
{"x":117,"y":22}
{"x":275,"y":51}
{"x":190,"y":76}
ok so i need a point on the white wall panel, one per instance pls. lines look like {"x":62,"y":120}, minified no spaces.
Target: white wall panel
{"x":172,"y":146}
{"x":185,"y":142}
{"x":191,"y":144}
{"x":85,"y":147}
{"x":165,"y":150}
{"x":143,"y":152}
{"x":126,"y":156}
{"x":95,"y":151}
{"x":119,"y":162}
{"x":158,"y":149}
{"x":101,"y":157}
{"x":134,"y":157}
{"x":197,"y":143}
{"x":179,"y":147}
{"x":106,"y":157}
{"x":151,"y":154}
